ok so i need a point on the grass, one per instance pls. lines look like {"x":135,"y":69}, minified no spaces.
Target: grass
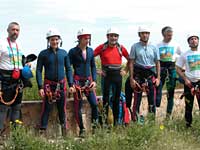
{"x":173,"y":136}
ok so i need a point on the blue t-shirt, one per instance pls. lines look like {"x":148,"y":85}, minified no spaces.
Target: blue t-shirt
{"x":145,"y":55}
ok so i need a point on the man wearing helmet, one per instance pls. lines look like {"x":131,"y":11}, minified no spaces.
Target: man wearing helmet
{"x":82,"y":60}
{"x":56,"y":64}
{"x":190,"y":62}
{"x":111,"y":53}
{"x":169,"y":51}
{"x":144,"y":72}
{"x":11,"y":84}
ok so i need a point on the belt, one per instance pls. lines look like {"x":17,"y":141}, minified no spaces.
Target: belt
{"x":6,"y":73}
{"x":46,"y":81}
{"x":112,"y":67}
{"x":80,"y":78}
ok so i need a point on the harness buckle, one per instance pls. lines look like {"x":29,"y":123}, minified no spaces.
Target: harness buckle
{"x":21,"y":86}
{"x":58,"y":87}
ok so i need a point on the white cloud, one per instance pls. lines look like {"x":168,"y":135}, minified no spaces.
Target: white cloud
{"x":177,"y":13}
{"x":69,"y":15}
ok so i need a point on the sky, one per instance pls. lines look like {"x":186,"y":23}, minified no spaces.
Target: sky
{"x":36,"y":16}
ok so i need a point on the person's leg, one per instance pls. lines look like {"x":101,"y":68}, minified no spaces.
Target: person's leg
{"x":15,"y":113}
{"x":136,"y":104}
{"x":118,"y":86}
{"x":46,"y":108}
{"x":93,"y":103}
{"x":78,"y":113}
{"x":171,"y":84}
{"x":189,"y":100}
{"x":106,"y":91}
{"x":3,"y":114}
{"x":151,"y":96}
{"x":61,"y":106}
{"x":16,"y":108}
{"x":159,"y":88}
{"x":128,"y":93}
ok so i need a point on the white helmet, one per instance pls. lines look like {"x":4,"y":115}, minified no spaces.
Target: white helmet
{"x":143,"y":29}
{"x":52,"y":32}
{"x":113,"y":31}
{"x":83,"y":32}
{"x":192,"y":35}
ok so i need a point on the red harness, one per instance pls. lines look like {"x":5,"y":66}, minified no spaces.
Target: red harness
{"x":53,"y":94}
{"x":82,"y":89}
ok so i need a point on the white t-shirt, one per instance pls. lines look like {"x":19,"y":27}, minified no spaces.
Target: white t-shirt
{"x":169,"y":52}
{"x":7,"y":54}
{"x":191,"y":61}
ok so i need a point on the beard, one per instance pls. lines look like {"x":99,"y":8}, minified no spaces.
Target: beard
{"x":194,"y":45}
{"x":113,"y":42}
{"x":145,"y":40}
{"x":13,"y":36}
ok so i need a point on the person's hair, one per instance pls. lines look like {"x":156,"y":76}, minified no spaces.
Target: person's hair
{"x":166,"y":29}
{"x":12,"y":23}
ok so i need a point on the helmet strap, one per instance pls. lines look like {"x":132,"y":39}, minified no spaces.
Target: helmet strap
{"x":61,"y":42}
{"x":48,"y":45}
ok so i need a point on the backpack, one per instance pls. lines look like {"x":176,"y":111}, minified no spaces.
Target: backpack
{"x":124,"y":115}
{"x":123,"y":110}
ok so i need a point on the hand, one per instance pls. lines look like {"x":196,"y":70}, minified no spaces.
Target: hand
{"x":101,"y":72}
{"x":188,"y":83}
{"x":123,"y":72}
{"x":72,"y":90}
{"x":92,"y":85}
{"x":28,"y":64}
{"x":157,"y":82}
{"x":133,"y":83}
{"x":192,"y":90}
{"x":41,"y":93}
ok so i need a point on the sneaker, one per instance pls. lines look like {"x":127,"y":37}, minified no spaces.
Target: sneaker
{"x":140,"y":119}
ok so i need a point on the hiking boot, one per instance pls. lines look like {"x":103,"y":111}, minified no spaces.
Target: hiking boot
{"x":188,"y":125}
{"x":64,"y":132}
{"x":82,"y":133}
{"x":43,"y":132}
{"x":168,"y":116}
{"x":140,"y":119}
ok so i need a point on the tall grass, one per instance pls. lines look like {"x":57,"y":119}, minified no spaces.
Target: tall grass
{"x":172,"y":136}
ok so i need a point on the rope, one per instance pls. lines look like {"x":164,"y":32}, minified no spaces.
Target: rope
{"x":80,"y":90}
{"x":12,"y":101}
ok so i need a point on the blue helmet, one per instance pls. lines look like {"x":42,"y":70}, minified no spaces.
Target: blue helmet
{"x":26,"y":72}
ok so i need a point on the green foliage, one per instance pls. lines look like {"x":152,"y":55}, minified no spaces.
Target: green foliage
{"x":173,"y":135}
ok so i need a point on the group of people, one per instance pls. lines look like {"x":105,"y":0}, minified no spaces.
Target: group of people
{"x":149,"y":67}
